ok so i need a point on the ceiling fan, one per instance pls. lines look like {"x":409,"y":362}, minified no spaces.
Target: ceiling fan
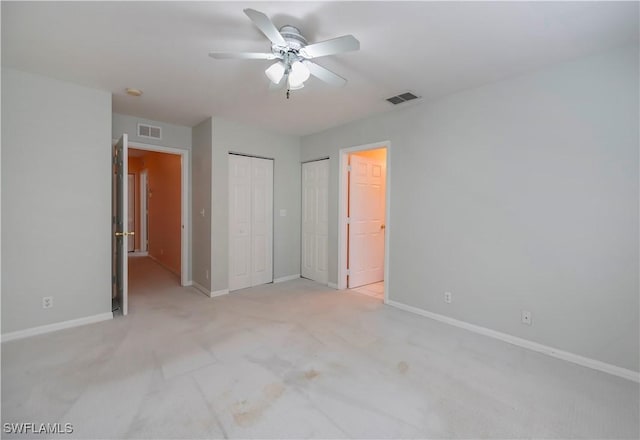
{"x":293,"y":53}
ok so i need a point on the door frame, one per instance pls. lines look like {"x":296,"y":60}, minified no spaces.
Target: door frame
{"x":144,"y":211}
{"x":342,"y":212}
{"x":185,"y":219}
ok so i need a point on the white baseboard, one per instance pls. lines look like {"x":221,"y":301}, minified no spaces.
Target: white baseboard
{"x":333,"y":285}
{"x":207,"y":292}
{"x":164,"y":265}
{"x":138,"y":254}
{"x":525,"y":343}
{"x":33,"y":331}
{"x":219,"y":293}
{"x":287,"y":278}
{"x":188,"y":284}
{"x":201,"y":288}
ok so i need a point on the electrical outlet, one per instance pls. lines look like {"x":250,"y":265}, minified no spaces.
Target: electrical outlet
{"x":206,"y":274}
{"x":526,"y":317}
{"x":448,"y":297}
{"x":47,"y":302}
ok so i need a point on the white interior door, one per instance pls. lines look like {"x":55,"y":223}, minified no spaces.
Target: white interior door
{"x":315,"y":220}
{"x":366,"y":221}
{"x":250,"y":221}
{"x":131,"y":212}
{"x":261,"y":221}
{"x":120,"y":234}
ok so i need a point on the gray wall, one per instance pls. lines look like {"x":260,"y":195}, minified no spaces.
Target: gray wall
{"x":201,"y":200}
{"x":522,"y":194}
{"x":56,"y":200}
{"x":239,"y":138}
{"x":175,"y":136}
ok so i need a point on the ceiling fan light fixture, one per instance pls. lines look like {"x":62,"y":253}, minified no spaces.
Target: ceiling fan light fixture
{"x":275,"y":72}
{"x":292,"y":85}
{"x":299,"y":73}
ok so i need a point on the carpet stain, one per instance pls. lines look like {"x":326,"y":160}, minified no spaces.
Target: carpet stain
{"x":402,"y":367}
{"x":246,"y":414}
{"x":273,"y":391}
{"x":311,"y":374}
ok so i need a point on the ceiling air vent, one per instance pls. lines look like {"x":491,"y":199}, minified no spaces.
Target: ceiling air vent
{"x":404,"y":97}
{"x":149,"y":131}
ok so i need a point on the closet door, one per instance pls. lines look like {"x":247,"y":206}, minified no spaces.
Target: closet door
{"x":239,"y":222}
{"x":315,"y":220}
{"x":261,"y":221}
{"x":250,"y":221}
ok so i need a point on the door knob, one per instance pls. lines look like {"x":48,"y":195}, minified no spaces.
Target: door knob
{"x":122,"y":234}
{"x":382,"y":226}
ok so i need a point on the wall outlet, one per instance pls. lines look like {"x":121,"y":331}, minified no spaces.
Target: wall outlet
{"x":206,"y":274}
{"x":448,"y":297}
{"x":526,"y":317}
{"x":47,"y":302}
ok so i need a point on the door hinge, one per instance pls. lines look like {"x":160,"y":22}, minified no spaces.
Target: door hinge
{"x":348,"y":272}
{"x":349,"y":168}
{"x":348,"y":220}
{"x":113,"y":279}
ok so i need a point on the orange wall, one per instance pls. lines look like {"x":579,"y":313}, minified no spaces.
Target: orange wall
{"x":378,"y":153}
{"x":164,"y":175}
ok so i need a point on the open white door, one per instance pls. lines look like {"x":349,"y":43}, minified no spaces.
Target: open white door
{"x":366,"y":220}
{"x":119,"y":223}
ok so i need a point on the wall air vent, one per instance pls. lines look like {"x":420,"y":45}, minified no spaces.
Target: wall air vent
{"x":149,"y":131}
{"x":404,"y":97}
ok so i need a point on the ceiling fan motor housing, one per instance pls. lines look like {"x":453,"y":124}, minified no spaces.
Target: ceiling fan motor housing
{"x":293,"y":37}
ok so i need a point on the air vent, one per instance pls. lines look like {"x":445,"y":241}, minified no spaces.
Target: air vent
{"x":404,"y":97}
{"x":149,"y":131}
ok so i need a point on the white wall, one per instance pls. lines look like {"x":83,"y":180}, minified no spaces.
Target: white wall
{"x":56,"y":200}
{"x":522,"y":194}
{"x":175,"y":136}
{"x":239,"y":138}
{"x":201,"y":202}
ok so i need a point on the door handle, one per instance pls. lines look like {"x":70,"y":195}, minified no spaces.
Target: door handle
{"x":122,"y":234}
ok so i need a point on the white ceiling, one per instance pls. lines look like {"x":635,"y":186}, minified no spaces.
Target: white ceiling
{"x":430,"y":48}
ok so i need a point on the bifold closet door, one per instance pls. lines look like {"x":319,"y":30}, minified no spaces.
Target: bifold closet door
{"x":315,"y":220}
{"x":250,"y":221}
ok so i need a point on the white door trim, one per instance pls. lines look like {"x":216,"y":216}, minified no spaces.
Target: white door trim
{"x":342,"y":213}
{"x":184,"y":198}
{"x":144,"y":175}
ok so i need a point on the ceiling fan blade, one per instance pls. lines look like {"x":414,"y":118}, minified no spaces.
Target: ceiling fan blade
{"x":325,"y":74}
{"x":266,"y":26}
{"x":345,"y":43}
{"x":242,"y":55}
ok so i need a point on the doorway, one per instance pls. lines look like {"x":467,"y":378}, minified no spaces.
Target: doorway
{"x":179,"y":247}
{"x":158,"y":209}
{"x":363,"y":234}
